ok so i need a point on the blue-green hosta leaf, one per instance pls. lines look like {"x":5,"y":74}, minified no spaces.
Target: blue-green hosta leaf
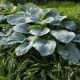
{"x":71,"y":25}
{"x":23,"y":48}
{"x":69,"y":52}
{"x":39,"y":32}
{"x":60,"y":18}
{"x":63,"y":35}
{"x":77,"y":38}
{"x":15,"y":38}
{"x":47,"y":20}
{"x":31,"y":10}
{"x":53,"y":14}
{"x":2,"y":18}
{"x":44,"y":13}
{"x":21,"y":13}
{"x":2,"y":41}
{"x":2,"y":34}
{"x":22,"y":28}
{"x":27,"y":18}
{"x":0,"y":13}
{"x":30,"y":19}
{"x":33,"y":13}
{"x":53,"y":20}
{"x":45,"y":47}
{"x":14,"y":20}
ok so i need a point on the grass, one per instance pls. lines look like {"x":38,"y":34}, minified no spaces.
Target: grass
{"x":71,"y":9}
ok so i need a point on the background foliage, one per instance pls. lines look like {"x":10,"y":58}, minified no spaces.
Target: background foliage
{"x":39,"y":1}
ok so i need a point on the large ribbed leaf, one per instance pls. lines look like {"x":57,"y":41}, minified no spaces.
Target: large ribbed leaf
{"x":15,"y":38}
{"x":34,"y":13}
{"x":39,"y":32}
{"x":27,"y":18}
{"x":31,"y":10}
{"x":70,"y":25}
{"x":31,"y":13}
{"x":69,"y":52}
{"x":58,"y":19}
{"x":63,"y":35}
{"x":53,"y":20}
{"x":22,"y":28}
{"x":14,"y":20}
{"x":23,"y":48}
{"x":44,"y":47}
{"x":77,"y":38}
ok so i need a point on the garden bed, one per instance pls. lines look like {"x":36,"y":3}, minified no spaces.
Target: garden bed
{"x":42,"y":47}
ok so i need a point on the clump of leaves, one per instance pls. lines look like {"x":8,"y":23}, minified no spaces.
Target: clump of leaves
{"x":42,"y":29}
{"x":30,"y":31}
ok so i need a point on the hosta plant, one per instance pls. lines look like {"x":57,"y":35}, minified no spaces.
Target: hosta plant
{"x":44,"y":30}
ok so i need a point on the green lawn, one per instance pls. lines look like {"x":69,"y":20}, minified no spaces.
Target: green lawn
{"x":72,"y":10}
